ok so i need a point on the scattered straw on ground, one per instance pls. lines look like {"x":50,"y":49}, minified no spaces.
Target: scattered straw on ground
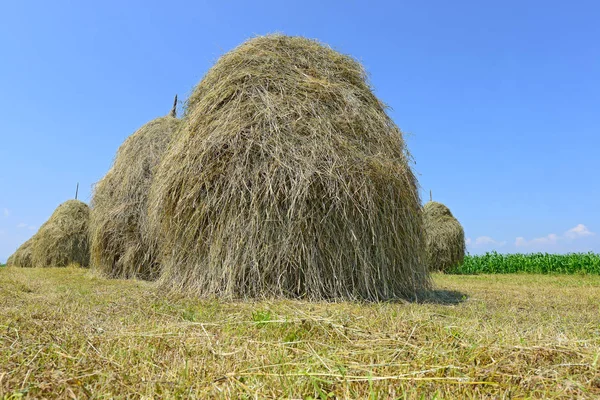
{"x":66,"y":334}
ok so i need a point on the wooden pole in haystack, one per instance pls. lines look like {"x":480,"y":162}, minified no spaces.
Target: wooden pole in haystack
{"x":174,"y":109}
{"x":77,"y":191}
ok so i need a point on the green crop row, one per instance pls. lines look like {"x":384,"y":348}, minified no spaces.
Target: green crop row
{"x":535,"y":263}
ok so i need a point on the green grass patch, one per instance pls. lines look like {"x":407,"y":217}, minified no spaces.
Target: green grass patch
{"x":534,"y":263}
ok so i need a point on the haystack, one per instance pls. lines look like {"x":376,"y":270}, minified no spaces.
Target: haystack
{"x":22,"y":257}
{"x":63,"y":239}
{"x":288,"y":178}
{"x":445,"y":237}
{"x":120,"y":247}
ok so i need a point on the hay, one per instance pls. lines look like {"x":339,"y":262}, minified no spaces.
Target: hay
{"x":120,"y":247}
{"x":22,"y":257}
{"x":445,"y":237}
{"x":63,"y":239}
{"x":288,"y":178}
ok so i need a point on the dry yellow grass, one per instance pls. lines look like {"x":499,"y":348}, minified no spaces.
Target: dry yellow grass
{"x":67,"y":333}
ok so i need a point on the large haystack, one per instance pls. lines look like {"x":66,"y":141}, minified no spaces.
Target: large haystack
{"x":22,"y":257}
{"x":63,"y":239}
{"x":445,"y":237}
{"x":288,"y":178}
{"x":120,"y":246}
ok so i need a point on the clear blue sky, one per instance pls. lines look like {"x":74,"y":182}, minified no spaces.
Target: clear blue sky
{"x":500,"y":100}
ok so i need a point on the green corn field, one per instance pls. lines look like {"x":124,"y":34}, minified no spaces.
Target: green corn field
{"x":535,"y":263}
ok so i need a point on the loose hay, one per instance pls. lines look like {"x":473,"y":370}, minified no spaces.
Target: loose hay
{"x":63,"y":239}
{"x":22,"y":257}
{"x":120,"y":246}
{"x":288,"y":179}
{"x":445,"y":237}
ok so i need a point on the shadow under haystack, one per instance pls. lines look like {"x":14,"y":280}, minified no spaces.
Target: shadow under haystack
{"x":63,"y":239}
{"x":22,"y":257}
{"x":288,"y":178}
{"x":445,"y":237}
{"x":120,"y":246}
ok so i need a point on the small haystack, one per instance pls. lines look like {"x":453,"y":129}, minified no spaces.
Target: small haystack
{"x":22,"y":257}
{"x":63,"y":239}
{"x":288,"y":178}
{"x":120,"y":247}
{"x":445,"y":237}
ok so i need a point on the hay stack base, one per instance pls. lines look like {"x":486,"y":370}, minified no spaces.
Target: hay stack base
{"x":63,"y":239}
{"x":288,"y":178}
{"x":445,"y":237}
{"x":120,"y":247}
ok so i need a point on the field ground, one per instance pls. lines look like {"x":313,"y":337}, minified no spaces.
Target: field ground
{"x":67,"y":333}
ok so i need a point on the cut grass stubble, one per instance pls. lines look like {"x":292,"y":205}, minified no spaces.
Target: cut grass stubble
{"x":66,"y":331}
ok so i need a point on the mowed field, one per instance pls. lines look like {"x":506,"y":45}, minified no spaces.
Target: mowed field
{"x":67,"y":333}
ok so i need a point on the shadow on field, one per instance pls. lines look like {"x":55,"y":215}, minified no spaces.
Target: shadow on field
{"x":441,"y":296}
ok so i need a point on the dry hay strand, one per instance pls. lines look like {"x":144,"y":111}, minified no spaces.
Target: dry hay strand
{"x":288,"y":178}
{"x":22,"y":257}
{"x":63,"y":239}
{"x":445,"y":237}
{"x":120,"y":246}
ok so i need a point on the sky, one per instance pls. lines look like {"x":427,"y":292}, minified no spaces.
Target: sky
{"x":499,"y":101}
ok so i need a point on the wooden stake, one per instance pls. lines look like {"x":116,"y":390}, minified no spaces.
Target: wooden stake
{"x":174,"y":109}
{"x":77,"y":191}
{"x":430,"y":195}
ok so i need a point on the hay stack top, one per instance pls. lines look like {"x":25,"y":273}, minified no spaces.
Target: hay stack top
{"x":434,"y":209}
{"x":288,"y":178}
{"x":297,"y":88}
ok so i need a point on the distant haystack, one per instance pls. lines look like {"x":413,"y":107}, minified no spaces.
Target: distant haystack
{"x":445,"y":237}
{"x":22,"y":257}
{"x":288,"y":178}
{"x":120,"y":247}
{"x":63,"y":239}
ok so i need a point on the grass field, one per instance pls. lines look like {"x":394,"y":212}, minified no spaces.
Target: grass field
{"x":66,"y":333}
